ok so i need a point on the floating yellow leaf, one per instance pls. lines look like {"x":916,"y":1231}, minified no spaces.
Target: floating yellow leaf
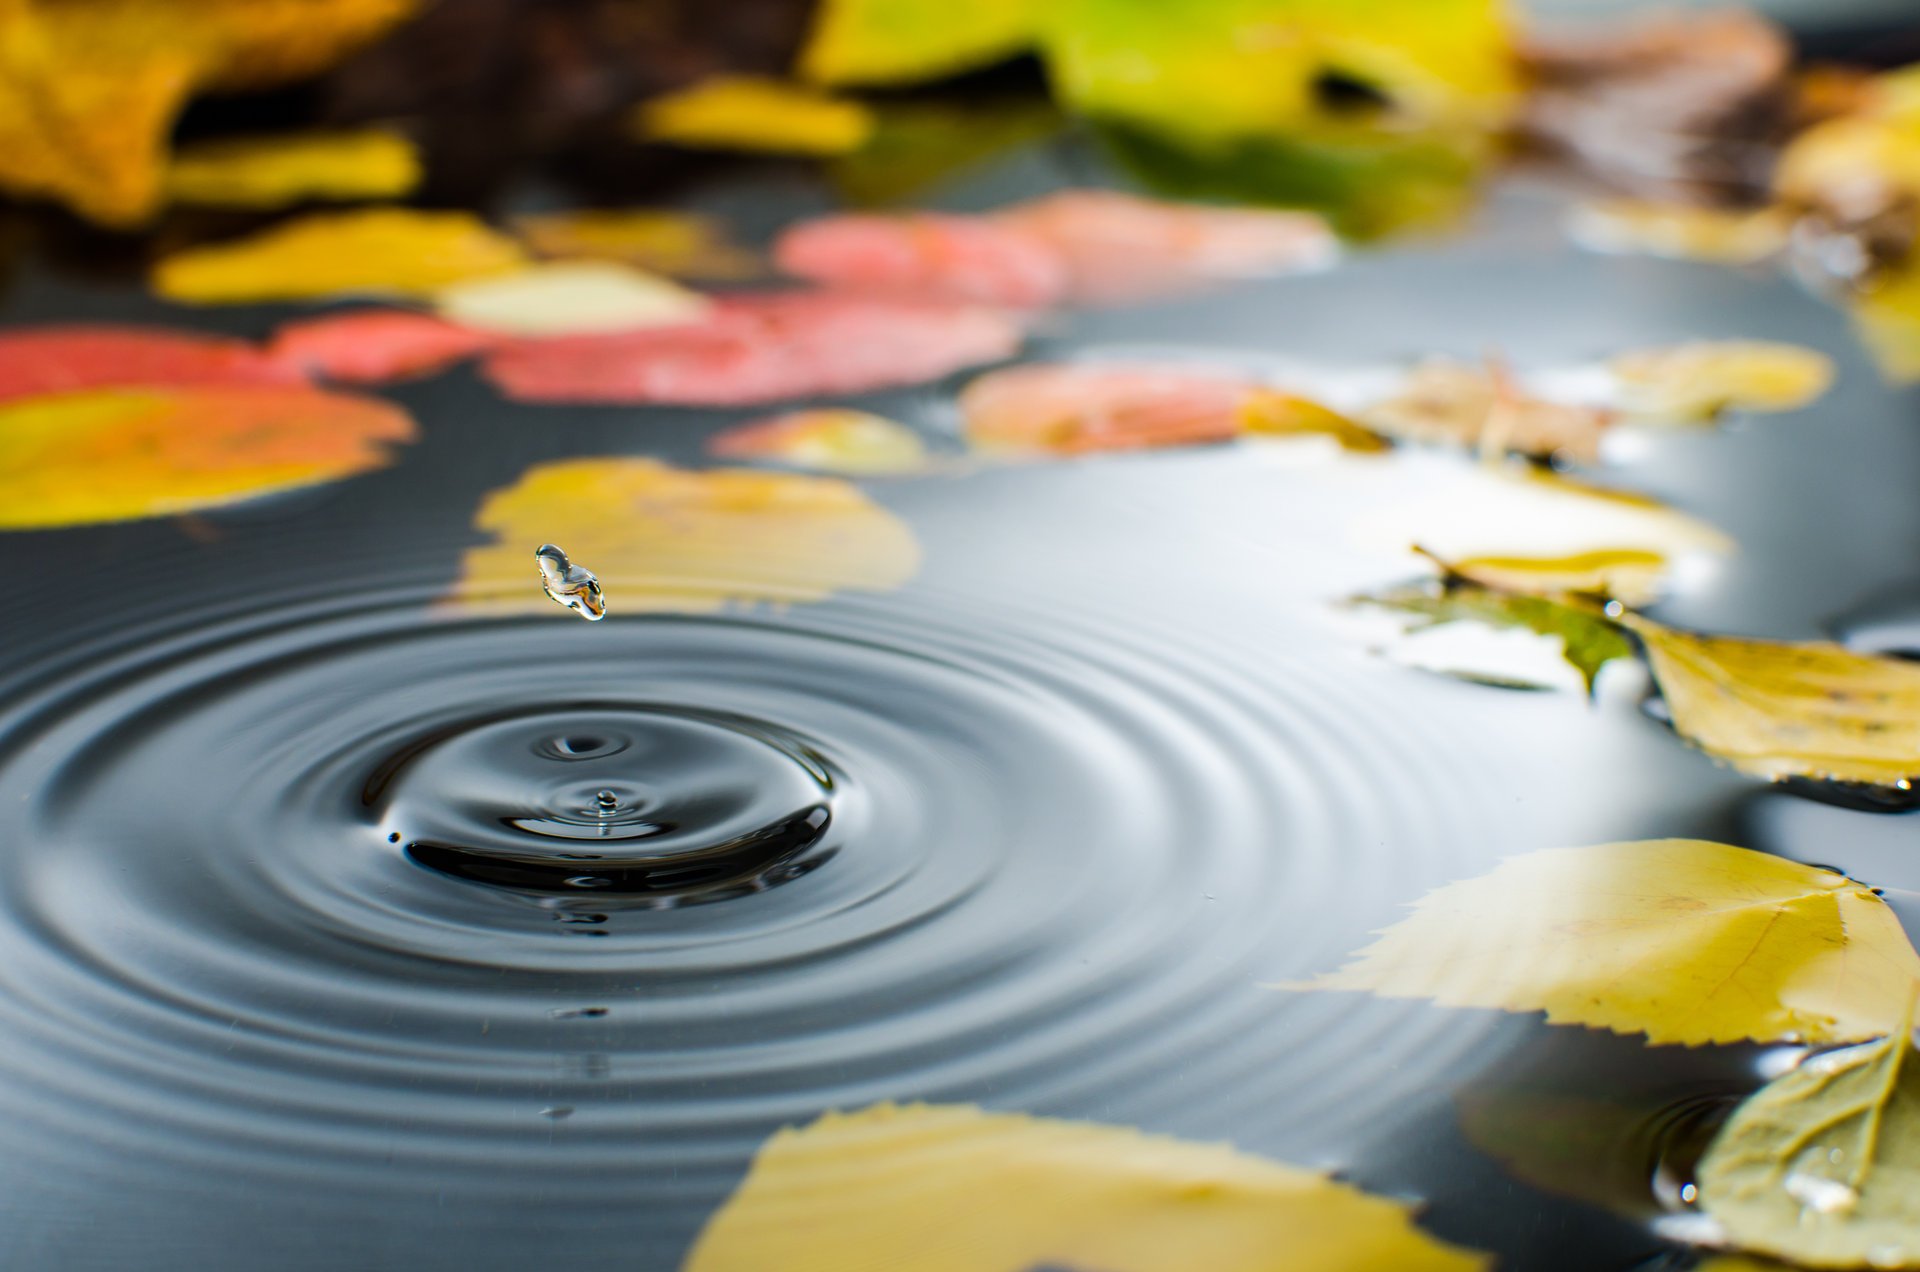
{"x":272,"y":172}
{"x":663,"y":538}
{"x":1633,"y":575}
{"x":957,"y":1189}
{"x":122,"y":454}
{"x":1681,"y":231}
{"x":1270,"y":413}
{"x":1822,"y":1165}
{"x":1482,"y":407}
{"x":1680,"y":939}
{"x":567,"y":298}
{"x":902,"y":41}
{"x":679,"y":244}
{"x":1699,"y":380}
{"x":1778,"y":709}
{"x":393,"y":251}
{"x":89,"y":91}
{"x":1888,"y":315}
{"x":834,"y":440}
{"x":745,"y":112}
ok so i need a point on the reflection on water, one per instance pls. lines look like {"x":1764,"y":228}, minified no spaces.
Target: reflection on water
{"x":337,"y":929}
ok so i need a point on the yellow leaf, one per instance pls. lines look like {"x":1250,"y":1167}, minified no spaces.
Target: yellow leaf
{"x":122,"y":454}
{"x":271,"y":172}
{"x":744,"y":112}
{"x":1633,"y":575}
{"x":679,"y":244}
{"x":1270,"y":413}
{"x":834,"y":440}
{"x":1699,"y":380}
{"x":569,"y":298}
{"x":89,"y":91}
{"x":1682,"y":940}
{"x":662,"y":538}
{"x":1888,"y":315}
{"x":1778,"y":709}
{"x":956,"y":1189}
{"x":1822,"y":1165}
{"x":903,"y":41}
{"x":1481,"y":407}
{"x":1726,"y":236}
{"x":395,"y":251}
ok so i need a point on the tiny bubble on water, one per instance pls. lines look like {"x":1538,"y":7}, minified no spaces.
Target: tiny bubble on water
{"x":570,"y":585}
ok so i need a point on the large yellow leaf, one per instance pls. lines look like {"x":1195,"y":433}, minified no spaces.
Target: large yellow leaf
{"x":121,"y":454}
{"x":901,"y":41}
{"x":1822,"y":1165}
{"x":394,"y":251}
{"x":1702,"y":378}
{"x":663,"y":538}
{"x":1779,"y":709}
{"x":1680,"y":939}
{"x":746,"y":112}
{"x":956,"y":1189}
{"x":89,"y":88}
{"x":274,"y":171}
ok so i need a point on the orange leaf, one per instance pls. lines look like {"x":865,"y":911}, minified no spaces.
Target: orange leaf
{"x":965,"y":257}
{"x":375,"y":346}
{"x":1070,"y":409}
{"x":122,"y":454}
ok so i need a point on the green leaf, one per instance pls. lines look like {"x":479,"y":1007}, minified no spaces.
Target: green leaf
{"x":1822,"y":1166}
{"x":905,"y":41}
{"x":1588,"y":638}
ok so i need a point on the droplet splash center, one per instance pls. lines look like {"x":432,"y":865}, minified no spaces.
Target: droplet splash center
{"x":570,"y":585}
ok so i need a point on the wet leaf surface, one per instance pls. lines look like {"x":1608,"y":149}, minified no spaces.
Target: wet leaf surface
{"x":89,"y":92}
{"x":761,"y":348}
{"x":391,"y":251}
{"x":750,"y":113}
{"x":121,"y":454}
{"x":1822,"y":1165}
{"x":828,"y":440}
{"x":957,"y":1189}
{"x":374,"y":346}
{"x":1682,"y":940}
{"x":276,"y":171}
{"x":663,"y":538}
{"x":61,"y":359}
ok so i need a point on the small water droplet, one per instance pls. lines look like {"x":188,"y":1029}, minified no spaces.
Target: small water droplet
{"x":588,"y":881}
{"x":1689,"y":1193}
{"x":607,"y":803}
{"x":555,"y":1112}
{"x":1820,"y":1194}
{"x":394,"y":838}
{"x":570,"y":585}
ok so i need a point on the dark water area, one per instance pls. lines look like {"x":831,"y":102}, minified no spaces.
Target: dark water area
{"x":320,"y":947}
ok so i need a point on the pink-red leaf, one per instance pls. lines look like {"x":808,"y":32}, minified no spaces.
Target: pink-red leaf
{"x":964,"y":257}
{"x":375,"y":346}
{"x":62,"y":359}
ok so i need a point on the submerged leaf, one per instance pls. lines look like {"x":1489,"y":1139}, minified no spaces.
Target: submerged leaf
{"x":1682,"y":940}
{"x":1074,"y":408}
{"x":761,"y":348}
{"x":962,"y":257}
{"x":1699,"y":380}
{"x":563,"y":298}
{"x":1778,"y":709}
{"x":89,"y":91}
{"x":274,"y":171}
{"x":1481,"y":407}
{"x":1681,"y":231}
{"x":1121,"y":247}
{"x":745,"y":112}
{"x":677,"y":244}
{"x":1589,"y":640}
{"x":957,"y":1189}
{"x":123,"y":454}
{"x":374,"y":346}
{"x":662,"y":538}
{"x":60,"y":359}
{"x":903,"y":41}
{"x":833,"y":441}
{"x":393,"y":251}
{"x":1271,"y":413}
{"x":1822,"y":1165}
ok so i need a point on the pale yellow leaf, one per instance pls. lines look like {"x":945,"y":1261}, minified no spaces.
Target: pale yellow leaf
{"x":1632,"y":575}
{"x":1483,"y":408}
{"x":834,"y":440}
{"x":937,"y":1188}
{"x":745,"y":112}
{"x":1701,"y":379}
{"x":663,"y":538}
{"x":1682,"y":940}
{"x":1778,"y":709}
{"x":391,"y":251}
{"x":274,"y":171}
{"x":1271,"y":413}
{"x":563,"y":298}
{"x":1726,"y":236}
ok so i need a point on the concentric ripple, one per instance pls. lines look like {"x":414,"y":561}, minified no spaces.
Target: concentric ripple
{"x":655,"y":886}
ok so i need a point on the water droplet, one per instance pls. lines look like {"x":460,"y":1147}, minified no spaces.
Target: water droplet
{"x":1820,"y":1194}
{"x":570,"y":585}
{"x":607,"y":803}
{"x":588,"y":881}
{"x":1689,"y":1193}
{"x":1887,"y":1256}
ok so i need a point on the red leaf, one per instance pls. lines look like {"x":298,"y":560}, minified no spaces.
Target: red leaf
{"x":62,"y":359}
{"x":375,"y":346}
{"x":963,"y":257}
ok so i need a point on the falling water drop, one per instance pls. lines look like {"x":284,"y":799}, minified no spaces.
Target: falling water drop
{"x":570,"y":585}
